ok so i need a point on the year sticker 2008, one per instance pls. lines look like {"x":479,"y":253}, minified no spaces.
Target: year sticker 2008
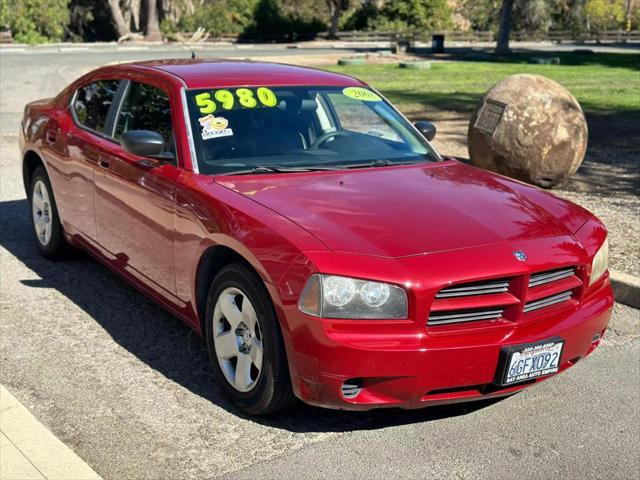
{"x":208,"y":102}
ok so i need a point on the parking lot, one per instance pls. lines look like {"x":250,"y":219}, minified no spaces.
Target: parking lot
{"x":129,"y":388}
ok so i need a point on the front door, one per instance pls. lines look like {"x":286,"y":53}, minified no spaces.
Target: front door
{"x":86,"y":140}
{"x":135,"y":196}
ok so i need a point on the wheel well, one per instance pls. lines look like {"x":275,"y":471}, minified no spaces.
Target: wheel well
{"x":31,"y":161}
{"x":213,"y":260}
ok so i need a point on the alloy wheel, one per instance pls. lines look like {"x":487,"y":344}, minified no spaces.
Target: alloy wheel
{"x":238,"y":339}
{"x":42,"y":212}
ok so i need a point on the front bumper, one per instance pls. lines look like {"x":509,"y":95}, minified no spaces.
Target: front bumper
{"x":402,"y":368}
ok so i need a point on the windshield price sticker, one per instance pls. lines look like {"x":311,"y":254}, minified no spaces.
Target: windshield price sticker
{"x":208,"y":102}
{"x":358,"y":93}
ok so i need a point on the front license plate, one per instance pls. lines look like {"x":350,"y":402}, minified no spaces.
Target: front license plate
{"x":526,"y":362}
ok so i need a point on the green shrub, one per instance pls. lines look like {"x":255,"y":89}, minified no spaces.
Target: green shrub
{"x":402,"y":15}
{"x":605,"y":14}
{"x":217,"y":17}
{"x":35,"y":21}
{"x":279,"y":20}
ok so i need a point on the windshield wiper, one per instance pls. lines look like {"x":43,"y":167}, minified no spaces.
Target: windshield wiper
{"x":270,"y":169}
{"x":381,"y":162}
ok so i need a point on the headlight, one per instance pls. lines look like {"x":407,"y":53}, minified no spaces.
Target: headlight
{"x":600,"y":263}
{"x":332,"y":296}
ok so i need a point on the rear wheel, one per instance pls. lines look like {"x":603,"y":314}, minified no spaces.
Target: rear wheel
{"x":245,"y":343}
{"x":44,"y":216}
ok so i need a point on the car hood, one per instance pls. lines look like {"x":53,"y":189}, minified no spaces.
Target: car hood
{"x":410,"y":210}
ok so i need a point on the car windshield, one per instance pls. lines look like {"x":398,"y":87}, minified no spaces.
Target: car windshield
{"x":275,"y":129}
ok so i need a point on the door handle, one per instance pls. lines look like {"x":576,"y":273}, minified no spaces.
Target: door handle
{"x":52,"y":136}
{"x":104,"y":163}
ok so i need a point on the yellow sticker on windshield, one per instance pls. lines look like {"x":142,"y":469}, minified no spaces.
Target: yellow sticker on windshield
{"x":241,"y":97}
{"x":359,"y":93}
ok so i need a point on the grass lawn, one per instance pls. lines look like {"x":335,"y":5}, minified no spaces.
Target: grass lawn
{"x":602,"y":82}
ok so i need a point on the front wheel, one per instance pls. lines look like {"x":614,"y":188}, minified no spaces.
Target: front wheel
{"x":245,"y":343}
{"x":44,"y":216}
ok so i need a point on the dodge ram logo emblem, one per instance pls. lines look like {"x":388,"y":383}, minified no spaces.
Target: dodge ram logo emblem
{"x":520,"y":255}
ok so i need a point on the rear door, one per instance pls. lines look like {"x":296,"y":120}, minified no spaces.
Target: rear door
{"x":135,"y":196}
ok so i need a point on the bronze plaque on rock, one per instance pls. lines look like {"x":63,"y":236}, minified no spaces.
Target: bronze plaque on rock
{"x":490,"y":116}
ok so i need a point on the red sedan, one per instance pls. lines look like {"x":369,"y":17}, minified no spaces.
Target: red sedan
{"x":313,"y":236}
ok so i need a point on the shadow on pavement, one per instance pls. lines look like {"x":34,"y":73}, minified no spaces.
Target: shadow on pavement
{"x":167,"y":345}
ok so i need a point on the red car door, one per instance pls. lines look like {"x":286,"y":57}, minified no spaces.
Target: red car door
{"x":73,"y":172}
{"x":135,"y":196}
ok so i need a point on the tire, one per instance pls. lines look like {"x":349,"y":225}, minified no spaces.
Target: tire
{"x":44,"y":217}
{"x":246,"y":351}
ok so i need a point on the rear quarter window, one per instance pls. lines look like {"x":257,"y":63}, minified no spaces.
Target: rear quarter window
{"x":91,"y":104}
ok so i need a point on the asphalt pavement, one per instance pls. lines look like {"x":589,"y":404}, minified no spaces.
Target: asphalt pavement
{"x":129,"y":388}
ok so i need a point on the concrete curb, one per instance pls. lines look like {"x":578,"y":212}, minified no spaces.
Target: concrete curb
{"x":30,"y":451}
{"x":626,"y":288}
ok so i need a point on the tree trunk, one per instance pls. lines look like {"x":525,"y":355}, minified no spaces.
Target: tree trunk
{"x":118,"y":19}
{"x":152,"y":32}
{"x":335,"y":10}
{"x":502,"y":47}
{"x":136,"y":11}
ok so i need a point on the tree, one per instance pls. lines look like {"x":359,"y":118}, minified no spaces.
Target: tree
{"x":152,"y":32}
{"x":127,"y":13}
{"x":336,"y":7}
{"x":35,"y":21}
{"x":502,"y":46}
{"x":604,"y":14}
{"x":399,"y":15}
{"x":217,"y":17}
{"x":531,"y":15}
{"x":122,"y":26}
{"x":568,"y":15}
{"x":284,"y":20}
{"x":481,"y":14}
{"x":420,"y":14}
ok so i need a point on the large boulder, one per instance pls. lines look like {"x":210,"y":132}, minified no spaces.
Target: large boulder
{"x":530,"y":128}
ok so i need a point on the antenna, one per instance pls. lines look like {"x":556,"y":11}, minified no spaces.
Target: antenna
{"x":193,"y":55}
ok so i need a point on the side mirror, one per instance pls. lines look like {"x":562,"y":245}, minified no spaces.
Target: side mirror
{"x":143,"y":143}
{"x":426,"y":128}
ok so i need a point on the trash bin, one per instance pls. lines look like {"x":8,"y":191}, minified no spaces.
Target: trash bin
{"x":437,"y":43}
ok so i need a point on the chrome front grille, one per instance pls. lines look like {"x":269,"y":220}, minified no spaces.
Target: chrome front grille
{"x":504,"y":299}
{"x":446,"y":317}
{"x":550,"y":276}
{"x":470,"y":289}
{"x":547,"y":301}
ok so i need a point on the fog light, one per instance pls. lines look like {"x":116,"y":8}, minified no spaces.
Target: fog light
{"x":351,"y":388}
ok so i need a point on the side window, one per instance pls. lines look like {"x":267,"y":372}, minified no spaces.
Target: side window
{"x":146,"y":108}
{"x":356,"y":116}
{"x":91,"y":103}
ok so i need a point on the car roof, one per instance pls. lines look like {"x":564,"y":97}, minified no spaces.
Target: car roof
{"x":204,"y":73}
